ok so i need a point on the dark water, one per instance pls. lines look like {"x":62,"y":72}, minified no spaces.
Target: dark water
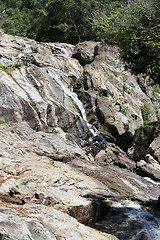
{"x":129,"y":221}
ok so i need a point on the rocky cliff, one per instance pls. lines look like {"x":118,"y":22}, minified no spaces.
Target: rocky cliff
{"x":52,"y":98}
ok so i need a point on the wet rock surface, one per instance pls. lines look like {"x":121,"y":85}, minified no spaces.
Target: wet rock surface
{"x":31,"y":85}
{"x":45,"y":190}
{"x":54,"y":186}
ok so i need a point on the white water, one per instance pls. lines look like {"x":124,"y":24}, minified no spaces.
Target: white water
{"x":28,"y":47}
{"x":151,"y":181}
{"x":61,"y":49}
{"x":127,"y":204}
{"x":129,"y":185}
{"x":150,"y":224}
{"x":74,"y":97}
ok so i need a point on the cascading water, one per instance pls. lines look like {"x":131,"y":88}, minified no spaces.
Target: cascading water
{"x":129,"y":184}
{"x":151,"y":181}
{"x":61,"y":50}
{"x":149,"y":225}
{"x":128,"y":220}
{"x":54,"y":75}
{"x":74,"y":97}
{"x":27,"y":47}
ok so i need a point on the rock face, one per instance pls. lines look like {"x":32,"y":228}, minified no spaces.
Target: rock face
{"x":115,"y":95}
{"x":35,"y":83}
{"x":50,"y":186}
{"x":40,"y":193}
{"x":145,"y":150}
{"x":143,"y":137}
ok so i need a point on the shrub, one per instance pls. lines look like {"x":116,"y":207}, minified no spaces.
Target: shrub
{"x":146,"y":111}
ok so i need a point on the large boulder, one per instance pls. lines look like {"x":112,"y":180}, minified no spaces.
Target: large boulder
{"x":42,"y":222}
{"x":151,"y":170}
{"x":154,"y":148}
{"x":143,"y":137}
{"x":38,"y":197}
{"x":85,"y":52}
{"x":145,"y":150}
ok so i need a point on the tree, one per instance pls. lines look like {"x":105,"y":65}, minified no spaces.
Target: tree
{"x":67,"y":21}
{"x":135,"y":28}
{"x":50,"y":20}
{"x":23,"y":17}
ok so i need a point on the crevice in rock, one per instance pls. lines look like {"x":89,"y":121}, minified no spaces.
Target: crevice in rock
{"x":42,"y":199}
{"x":144,"y":173}
{"x":94,"y":211}
{"x":13,"y":198}
{"x":124,"y":141}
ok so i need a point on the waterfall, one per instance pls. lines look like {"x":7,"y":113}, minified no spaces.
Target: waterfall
{"x":73,"y":95}
{"x":27,"y":47}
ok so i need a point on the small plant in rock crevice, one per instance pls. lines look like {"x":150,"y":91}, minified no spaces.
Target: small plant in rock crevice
{"x":122,"y":110}
{"x":11,"y":67}
{"x":104,"y":92}
{"x":115,"y":73}
{"x":2,"y":122}
{"x":125,"y":88}
{"x":4,"y":68}
{"x":158,"y":116}
{"x":157,"y":88}
{"x":146,"y":111}
{"x":154,"y":98}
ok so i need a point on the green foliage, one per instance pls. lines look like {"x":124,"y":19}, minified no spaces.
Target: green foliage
{"x":158,"y":116}
{"x":154,"y":98}
{"x":72,"y":80}
{"x":16,"y":65}
{"x":2,"y":122}
{"x":156,"y":88}
{"x":122,"y":110}
{"x":125,"y":88}
{"x":11,"y":67}
{"x":49,"y":20}
{"x":4,"y":68}
{"x":104,"y":92}
{"x":146,"y":111}
{"x":23,"y":17}
{"x":115,"y":73}
{"x":134,"y":27}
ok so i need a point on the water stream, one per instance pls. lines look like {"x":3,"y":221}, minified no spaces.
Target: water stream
{"x":148,"y":226}
{"x":130,"y":221}
{"x":127,"y":220}
{"x":69,"y":92}
{"x":27,"y":47}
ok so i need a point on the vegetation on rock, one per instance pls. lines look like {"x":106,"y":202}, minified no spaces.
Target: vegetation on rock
{"x":132,"y":25}
{"x":146,"y":111}
{"x":11,"y":66}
